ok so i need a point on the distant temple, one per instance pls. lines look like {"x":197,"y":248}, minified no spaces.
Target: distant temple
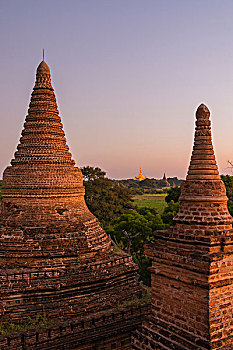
{"x":165,"y":182}
{"x":140,"y":176}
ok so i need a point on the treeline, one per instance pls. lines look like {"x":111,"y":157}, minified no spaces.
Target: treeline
{"x":150,"y":186}
{"x":228,"y":181}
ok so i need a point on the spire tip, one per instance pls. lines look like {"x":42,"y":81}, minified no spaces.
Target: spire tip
{"x":202,"y":112}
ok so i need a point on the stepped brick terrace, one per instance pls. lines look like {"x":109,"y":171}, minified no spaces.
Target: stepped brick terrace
{"x":192,"y":263}
{"x":58,"y":270}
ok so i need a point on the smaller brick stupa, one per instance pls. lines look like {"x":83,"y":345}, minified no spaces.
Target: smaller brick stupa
{"x":164,"y":181}
{"x":192,"y":263}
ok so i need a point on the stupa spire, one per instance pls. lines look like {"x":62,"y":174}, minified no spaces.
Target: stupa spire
{"x":203,"y":186}
{"x":43,"y":140}
{"x":164,"y":181}
{"x":192,"y":261}
{"x":203,"y":164}
{"x":42,"y":179}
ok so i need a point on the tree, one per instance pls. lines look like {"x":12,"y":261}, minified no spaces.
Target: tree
{"x":92,"y":174}
{"x":173,"y":194}
{"x":154,"y":219}
{"x":132,"y":230}
{"x":228,"y":182}
{"x":135,"y":225}
{"x":105,"y":198}
{"x":169,"y":212}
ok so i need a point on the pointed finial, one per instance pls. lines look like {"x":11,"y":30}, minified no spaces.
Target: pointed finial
{"x":202,"y":112}
{"x":203,"y":188}
{"x":43,"y":68}
{"x":203,"y":164}
{"x":43,"y":54}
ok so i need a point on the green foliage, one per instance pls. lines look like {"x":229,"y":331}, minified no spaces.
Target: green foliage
{"x":152,"y":216}
{"x":150,"y":186}
{"x":173,"y":205}
{"x":228,"y":182}
{"x":174,"y":180}
{"x":137,"y":190}
{"x":146,"y":202}
{"x":92,"y":174}
{"x":149,"y":183}
{"x":139,"y":226}
{"x":8,"y":327}
{"x":173,"y":194}
{"x":230,"y":206}
{"x":105,"y":198}
{"x":145,"y":211}
{"x":132,"y":222}
{"x":169,"y":212}
{"x":130,"y":227}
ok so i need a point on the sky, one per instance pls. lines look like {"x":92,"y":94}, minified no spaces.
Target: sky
{"x":128,"y":76}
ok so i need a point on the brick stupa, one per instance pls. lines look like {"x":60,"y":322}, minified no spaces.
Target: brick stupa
{"x":164,"y":181}
{"x":57,"y":267}
{"x":192,"y":263}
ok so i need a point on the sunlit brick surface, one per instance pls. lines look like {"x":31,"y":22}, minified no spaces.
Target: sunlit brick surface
{"x":192,"y":263}
{"x":56,"y":261}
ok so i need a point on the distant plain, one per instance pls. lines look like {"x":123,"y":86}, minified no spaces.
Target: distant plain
{"x":155,"y":201}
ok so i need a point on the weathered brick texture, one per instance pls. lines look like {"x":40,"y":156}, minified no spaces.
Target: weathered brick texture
{"x":56,"y":261}
{"x":192,"y":263}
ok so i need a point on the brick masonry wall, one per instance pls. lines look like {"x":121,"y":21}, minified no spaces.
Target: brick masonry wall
{"x":104,"y":331}
{"x":192,"y":275}
{"x":56,"y":261}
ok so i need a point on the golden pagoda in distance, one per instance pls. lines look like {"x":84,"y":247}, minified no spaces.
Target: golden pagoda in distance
{"x":140,"y":176}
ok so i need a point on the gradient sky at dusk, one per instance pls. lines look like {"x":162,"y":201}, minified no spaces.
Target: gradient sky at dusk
{"x":128,"y":77}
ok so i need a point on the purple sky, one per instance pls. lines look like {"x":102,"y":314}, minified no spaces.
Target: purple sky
{"x":128,"y":77}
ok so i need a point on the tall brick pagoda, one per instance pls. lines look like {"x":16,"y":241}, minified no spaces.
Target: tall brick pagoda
{"x":61,"y":284}
{"x":192,"y":263}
